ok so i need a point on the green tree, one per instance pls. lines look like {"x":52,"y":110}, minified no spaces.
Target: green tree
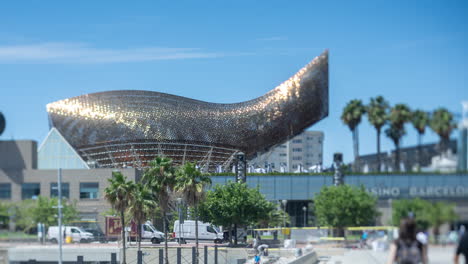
{"x":140,"y":204}
{"x":160,"y":177}
{"x":345,"y":205}
{"x":4,"y":214}
{"x":377,"y":115}
{"x":191,"y":184}
{"x":426,"y":214}
{"x":351,"y":116}
{"x":399,"y":115}
{"x":24,"y":217}
{"x":43,"y":210}
{"x":439,"y":214}
{"x":417,"y":207}
{"x":118,"y":193}
{"x":234,"y":204}
{"x":420,"y":121}
{"x":275,"y":217}
{"x":442,"y":123}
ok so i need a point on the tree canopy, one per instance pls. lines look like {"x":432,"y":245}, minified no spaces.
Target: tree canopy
{"x":234,"y":203}
{"x":426,"y":214}
{"x":345,"y":205}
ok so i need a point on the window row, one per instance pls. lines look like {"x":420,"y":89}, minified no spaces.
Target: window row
{"x":88,"y":190}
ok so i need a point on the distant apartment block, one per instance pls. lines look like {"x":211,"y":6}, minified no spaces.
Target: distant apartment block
{"x":300,"y":154}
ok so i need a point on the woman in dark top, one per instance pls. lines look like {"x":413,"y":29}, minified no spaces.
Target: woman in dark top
{"x":407,"y":249}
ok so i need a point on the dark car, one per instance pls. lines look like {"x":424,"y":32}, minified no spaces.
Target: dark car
{"x":92,"y":227}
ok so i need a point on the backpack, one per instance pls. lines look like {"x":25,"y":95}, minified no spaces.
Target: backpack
{"x":409,"y":253}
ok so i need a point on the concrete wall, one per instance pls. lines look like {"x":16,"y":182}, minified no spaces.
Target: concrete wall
{"x":18,"y":154}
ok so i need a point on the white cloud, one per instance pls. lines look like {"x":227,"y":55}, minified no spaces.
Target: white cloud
{"x":82,"y":53}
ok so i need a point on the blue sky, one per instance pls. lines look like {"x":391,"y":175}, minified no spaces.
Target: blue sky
{"x":413,"y":52}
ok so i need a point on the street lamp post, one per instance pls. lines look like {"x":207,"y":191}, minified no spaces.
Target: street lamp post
{"x":60,"y":237}
{"x":305,"y":210}
{"x":284,"y":202}
{"x":179,"y":203}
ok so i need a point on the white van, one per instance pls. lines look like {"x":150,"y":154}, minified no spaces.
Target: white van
{"x":77,"y":234}
{"x":149,"y":232}
{"x":206,"y":231}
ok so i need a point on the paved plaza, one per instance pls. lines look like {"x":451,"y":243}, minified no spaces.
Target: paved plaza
{"x":437,"y":255}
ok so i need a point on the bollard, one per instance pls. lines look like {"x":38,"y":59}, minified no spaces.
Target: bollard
{"x":206,"y":254}
{"x":139,"y":257}
{"x":179,"y":256}
{"x":194,"y":256}
{"x":216,"y":255}
{"x":113,"y":258}
{"x":161,"y":256}
{"x":79,"y":260}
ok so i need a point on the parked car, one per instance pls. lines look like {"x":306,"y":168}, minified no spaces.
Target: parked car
{"x":206,"y":231}
{"x":93,"y":227}
{"x":77,"y":234}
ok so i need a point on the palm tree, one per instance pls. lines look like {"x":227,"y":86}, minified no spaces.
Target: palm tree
{"x":140,"y":204}
{"x":420,"y":120}
{"x":160,"y":178}
{"x":351,"y":116}
{"x":377,"y":115}
{"x":191,"y":183}
{"x":399,"y":115}
{"x":118,"y":194}
{"x":442,"y":123}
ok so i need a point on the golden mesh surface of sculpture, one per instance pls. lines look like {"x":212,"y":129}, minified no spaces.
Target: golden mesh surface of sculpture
{"x":131,"y":127}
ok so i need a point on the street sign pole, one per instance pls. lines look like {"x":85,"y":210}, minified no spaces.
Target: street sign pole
{"x":60,"y":237}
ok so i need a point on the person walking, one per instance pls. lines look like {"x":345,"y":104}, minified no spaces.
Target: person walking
{"x":462,"y":248}
{"x":407,"y":249}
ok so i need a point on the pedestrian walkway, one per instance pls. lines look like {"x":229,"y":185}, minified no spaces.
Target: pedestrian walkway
{"x":437,"y":255}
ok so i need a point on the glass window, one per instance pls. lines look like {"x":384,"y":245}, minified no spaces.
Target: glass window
{"x":282,"y":154}
{"x":297,"y":158}
{"x":210,"y":229}
{"x":89,"y":190}
{"x":5,"y":190}
{"x":297,"y":150}
{"x":297,"y":141}
{"x":65,"y":190}
{"x":30,"y":190}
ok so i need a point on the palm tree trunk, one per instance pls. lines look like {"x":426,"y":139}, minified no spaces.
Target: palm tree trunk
{"x":356,"y":149}
{"x":166,"y":257}
{"x":122,"y":217}
{"x":419,"y":151}
{"x":397,"y":156}
{"x":196,"y":234}
{"x":139,"y":235}
{"x":378,"y":150}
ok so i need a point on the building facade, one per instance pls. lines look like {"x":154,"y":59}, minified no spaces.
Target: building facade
{"x":303,"y":153}
{"x":20,"y":179}
{"x":408,"y":158}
